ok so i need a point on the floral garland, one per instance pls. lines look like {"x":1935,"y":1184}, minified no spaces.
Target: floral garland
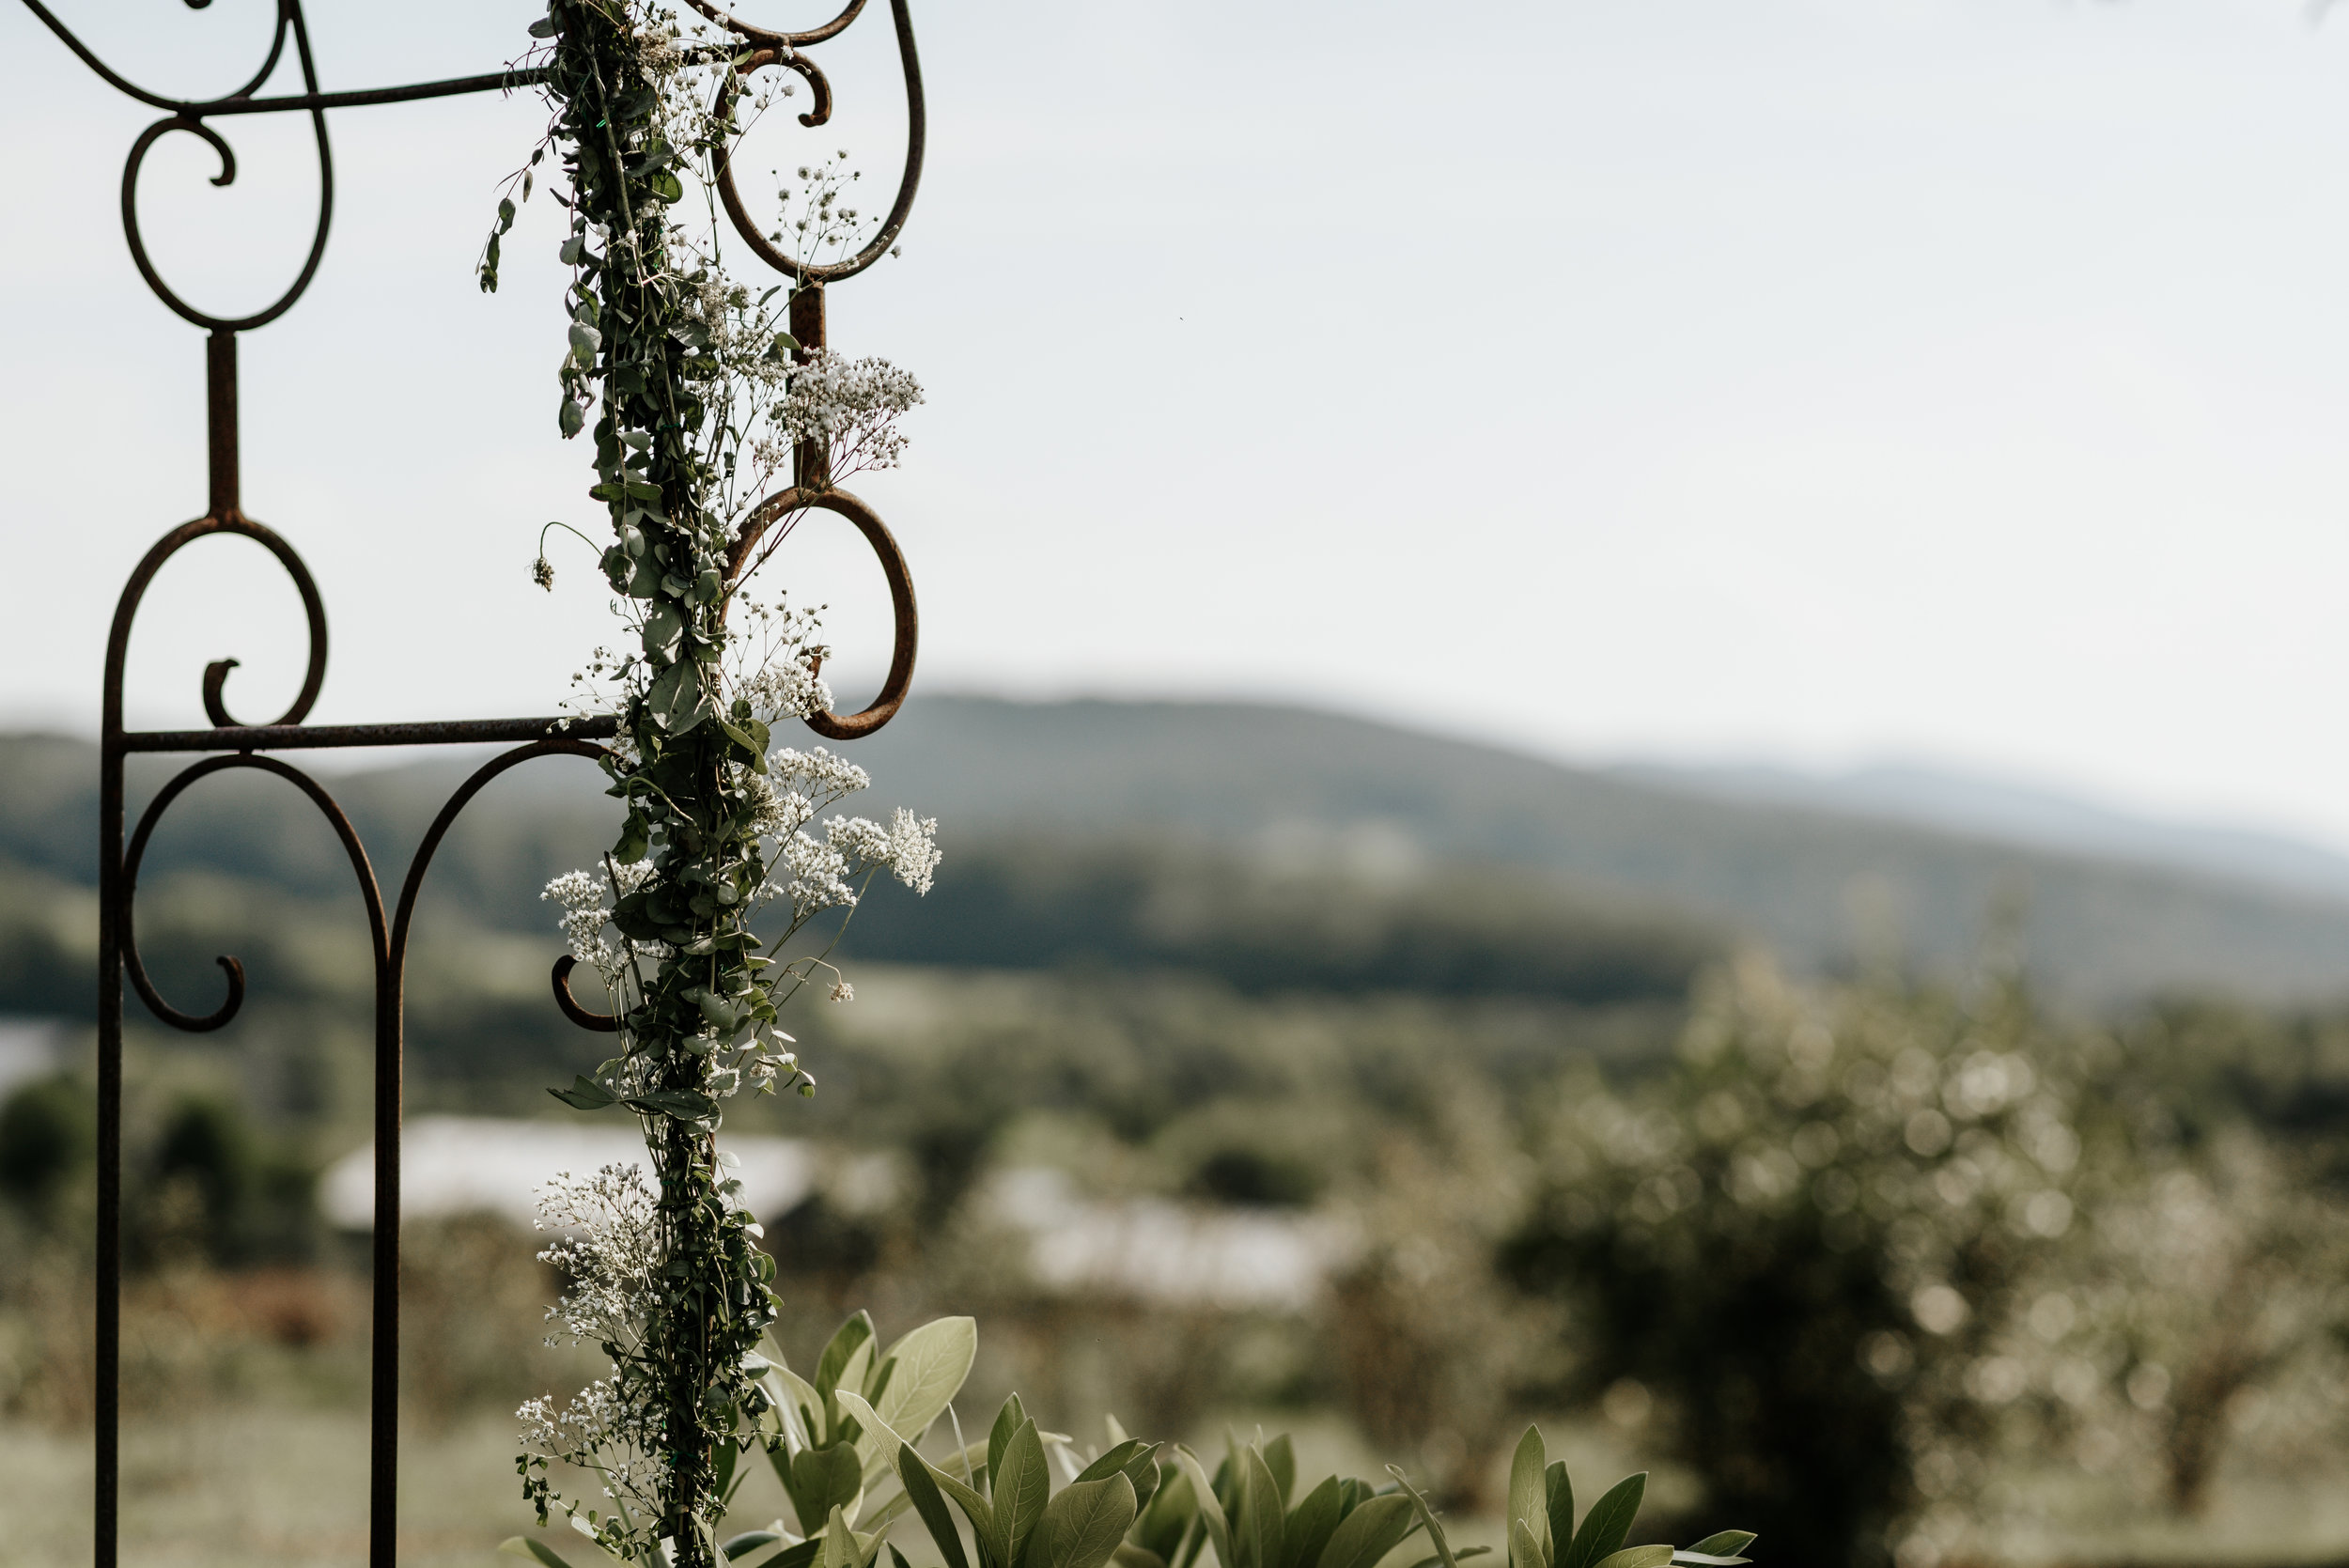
{"x":699,"y":402}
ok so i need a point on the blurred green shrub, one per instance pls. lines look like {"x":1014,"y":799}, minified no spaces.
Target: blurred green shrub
{"x":1806,"y":1243}
{"x":48,"y":1139}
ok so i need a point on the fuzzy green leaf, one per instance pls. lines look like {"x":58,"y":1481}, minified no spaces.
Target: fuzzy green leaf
{"x":1528,"y":1503}
{"x":1374,"y":1527}
{"x":1081,"y":1527}
{"x":1608,"y":1521}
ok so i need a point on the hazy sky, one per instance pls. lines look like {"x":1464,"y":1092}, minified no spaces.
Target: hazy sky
{"x":1812,"y":380}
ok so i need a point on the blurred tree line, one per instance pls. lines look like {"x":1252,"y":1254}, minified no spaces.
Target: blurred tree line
{"x":1860,"y":1253}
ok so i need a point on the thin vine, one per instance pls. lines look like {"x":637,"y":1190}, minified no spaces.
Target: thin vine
{"x":698,"y":399}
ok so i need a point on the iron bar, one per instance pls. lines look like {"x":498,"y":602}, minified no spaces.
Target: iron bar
{"x":287,"y":737}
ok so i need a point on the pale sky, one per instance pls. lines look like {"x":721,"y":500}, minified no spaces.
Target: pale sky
{"x":1816,"y":380}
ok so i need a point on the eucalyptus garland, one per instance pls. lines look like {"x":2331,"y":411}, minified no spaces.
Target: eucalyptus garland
{"x":697,"y":401}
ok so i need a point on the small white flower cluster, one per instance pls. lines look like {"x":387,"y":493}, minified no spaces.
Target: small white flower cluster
{"x":828,"y":875}
{"x":824,"y":222}
{"x":609,"y":1247}
{"x":907,"y":846}
{"x":610,"y":1252}
{"x":852,"y":406}
{"x":787,"y":688}
{"x":584,"y":915}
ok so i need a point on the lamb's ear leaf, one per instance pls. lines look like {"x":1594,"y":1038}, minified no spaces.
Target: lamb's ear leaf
{"x":1561,"y":1510}
{"x":1528,"y":1503}
{"x":932,"y":1363}
{"x":752,"y":1549}
{"x":875,"y":1439}
{"x":1081,"y":1527}
{"x":1166,"y":1518}
{"x":1007,"y":1421}
{"x":1113,"y":1461}
{"x":1638,"y":1557}
{"x":1259,"y":1527}
{"x":1460,"y":1555}
{"x":823,"y":1480}
{"x":1130,"y":1556}
{"x":984,"y":1524}
{"x":1607,"y":1522}
{"x":844,"y":1343}
{"x":1210,"y":1512}
{"x":532,"y":1550}
{"x":1020,"y":1490}
{"x":1279,"y":1457}
{"x":1141,"y":1473}
{"x":803,"y":1401}
{"x":1727,"y":1543}
{"x":1310,"y":1526}
{"x":1426,"y":1516}
{"x":931,"y":1504}
{"x":840,"y":1548}
{"x":1371,"y":1529}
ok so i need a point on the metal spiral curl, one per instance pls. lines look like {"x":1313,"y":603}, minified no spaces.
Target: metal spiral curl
{"x":782,"y":49}
{"x":190,"y":114}
{"x":136,"y":967}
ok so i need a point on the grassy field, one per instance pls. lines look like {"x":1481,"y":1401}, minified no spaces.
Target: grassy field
{"x":253,"y":1484}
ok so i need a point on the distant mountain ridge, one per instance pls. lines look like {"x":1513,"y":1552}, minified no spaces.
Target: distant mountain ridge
{"x":2107,"y":918}
{"x":1979,"y":806}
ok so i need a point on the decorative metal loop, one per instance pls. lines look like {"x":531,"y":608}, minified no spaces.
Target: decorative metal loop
{"x":766,"y":39}
{"x":778,"y":49}
{"x":189,"y":117}
{"x":216,"y":673}
{"x":136,"y":967}
{"x":601,"y":1023}
{"x":397,"y":953}
{"x":289,"y":19}
{"x":787,"y":505}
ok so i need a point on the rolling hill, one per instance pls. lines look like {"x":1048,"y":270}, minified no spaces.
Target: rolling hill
{"x":1280,"y":794}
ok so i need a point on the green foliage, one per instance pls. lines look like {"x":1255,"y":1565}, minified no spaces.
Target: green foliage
{"x":48,"y":1135}
{"x":1783,"y":1239}
{"x":1020,"y":902}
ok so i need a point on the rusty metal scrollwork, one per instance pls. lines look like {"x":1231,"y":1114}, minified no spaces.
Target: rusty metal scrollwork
{"x":228,"y":745}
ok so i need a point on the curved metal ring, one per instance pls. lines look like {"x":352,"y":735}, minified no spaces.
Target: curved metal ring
{"x":768,"y":38}
{"x":916,"y":134}
{"x":397,"y":952}
{"x":289,"y":11}
{"x":216,"y":673}
{"x":137,"y":968}
{"x":289,"y":19}
{"x":903,"y":614}
{"x":601,"y":1023}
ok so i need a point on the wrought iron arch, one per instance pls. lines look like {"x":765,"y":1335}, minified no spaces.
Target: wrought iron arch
{"x":227,"y":745}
